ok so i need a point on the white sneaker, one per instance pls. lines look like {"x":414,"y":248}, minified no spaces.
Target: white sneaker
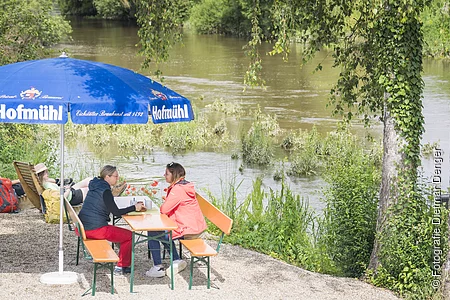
{"x":178,"y":266}
{"x":156,"y":272}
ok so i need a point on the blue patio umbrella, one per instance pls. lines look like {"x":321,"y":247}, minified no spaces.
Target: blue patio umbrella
{"x":49,"y":91}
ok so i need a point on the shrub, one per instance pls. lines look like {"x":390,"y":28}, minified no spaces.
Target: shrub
{"x":413,"y":245}
{"x":350,"y":216}
{"x":28,"y":143}
{"x":206,"y":17}
{"x":307,"y":151}
{"x":111,"y":9}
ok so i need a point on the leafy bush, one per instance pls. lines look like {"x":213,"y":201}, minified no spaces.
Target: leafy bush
{"x":206,"y":17}
{"x":28,"y":28}
{"x":219,"y":16}
{"x":26,"y":142}
{"x":77,"y":8}
{"x":111,"y":9}
{"x":413,"y":244}
{"x":351,"y":198}
{"x":436,"y":31}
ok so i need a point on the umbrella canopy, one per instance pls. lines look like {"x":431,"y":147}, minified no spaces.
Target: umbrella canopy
{"x":48,"y":91}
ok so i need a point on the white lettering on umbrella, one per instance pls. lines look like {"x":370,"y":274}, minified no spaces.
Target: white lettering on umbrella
{"x":86,"y":113}
{"x":176,"y":112}
{"x":44,"y":113}
{"x":111,"y":114}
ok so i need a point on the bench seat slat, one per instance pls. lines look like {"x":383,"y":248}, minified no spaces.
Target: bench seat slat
{"x":101,"y":251}
{"x":199,"y":247}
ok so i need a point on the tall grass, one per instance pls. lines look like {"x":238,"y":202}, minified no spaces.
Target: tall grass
{"x":283,"y":225}
{"x":280,"y":224}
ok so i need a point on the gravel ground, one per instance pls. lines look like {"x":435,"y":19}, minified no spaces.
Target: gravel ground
{"x":29,"y":248}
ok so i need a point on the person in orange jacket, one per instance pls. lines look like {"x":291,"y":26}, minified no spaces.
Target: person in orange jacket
{"x":181,"y":205}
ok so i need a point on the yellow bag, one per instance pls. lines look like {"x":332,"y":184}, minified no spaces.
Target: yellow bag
{"x":52,"y":203}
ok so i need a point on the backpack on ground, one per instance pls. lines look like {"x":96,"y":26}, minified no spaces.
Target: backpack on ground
{"x":8,"y":197}
{"x":52,"y":206}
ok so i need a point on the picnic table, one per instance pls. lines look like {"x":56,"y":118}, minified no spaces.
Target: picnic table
{"x":140,"y":223}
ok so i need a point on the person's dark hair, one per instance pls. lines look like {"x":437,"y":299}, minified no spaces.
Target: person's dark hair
{"x":107,"y":170}
{"x":176,"y":170}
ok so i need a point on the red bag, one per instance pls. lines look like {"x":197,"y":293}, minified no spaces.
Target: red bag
{"x":8,"y":197}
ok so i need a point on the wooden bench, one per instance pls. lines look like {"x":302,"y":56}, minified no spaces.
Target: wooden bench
{"x":199,"y":249}
{"x":99,"y":251}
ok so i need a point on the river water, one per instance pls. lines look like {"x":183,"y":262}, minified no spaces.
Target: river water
{"x":210,"y":67}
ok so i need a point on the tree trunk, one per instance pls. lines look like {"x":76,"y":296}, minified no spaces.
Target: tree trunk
{"x":392,"y":159}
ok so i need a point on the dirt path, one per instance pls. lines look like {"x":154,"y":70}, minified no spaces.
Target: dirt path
{"x":28,"y":249}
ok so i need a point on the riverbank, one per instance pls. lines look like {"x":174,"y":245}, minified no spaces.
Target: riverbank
{"x":29,"y":248}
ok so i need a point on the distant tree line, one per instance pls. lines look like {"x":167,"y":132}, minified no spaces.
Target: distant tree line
{"x":233,"y":17}
{"x":204,"y":16}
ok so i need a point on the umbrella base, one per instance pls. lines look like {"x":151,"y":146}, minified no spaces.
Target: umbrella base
{"x":59,"y":278}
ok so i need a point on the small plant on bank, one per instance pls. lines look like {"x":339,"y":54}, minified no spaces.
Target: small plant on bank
{"x":28,"y":143}
{"x":226,"y":107}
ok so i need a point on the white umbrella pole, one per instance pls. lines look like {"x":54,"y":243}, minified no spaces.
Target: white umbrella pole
{"x":60,"y":277}
{"x":61,"y":202}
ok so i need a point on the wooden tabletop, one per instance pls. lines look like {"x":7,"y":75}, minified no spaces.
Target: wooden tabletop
{"x":150,"y":222}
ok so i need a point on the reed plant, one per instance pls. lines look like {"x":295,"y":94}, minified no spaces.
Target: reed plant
{"x":306,"y":152}
{"x":258,"y":143}
{"x":280,"y":224}
{"x":135,"y":140}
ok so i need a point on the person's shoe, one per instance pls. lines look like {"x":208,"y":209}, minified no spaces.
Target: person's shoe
{"x":178,"y":266}
{"x":68,"y":181}
{"x":117,"y":270}
{"x":156,"y":272}
{"x":117,"y":190}
{"x":122,"y":270}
